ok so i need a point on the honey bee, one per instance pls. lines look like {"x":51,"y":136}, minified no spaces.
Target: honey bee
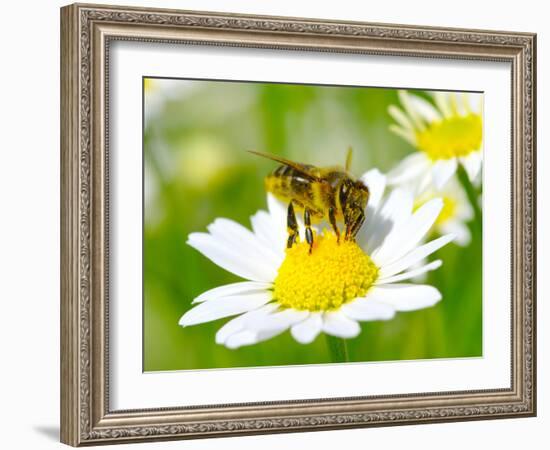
{"x":320,"y":192}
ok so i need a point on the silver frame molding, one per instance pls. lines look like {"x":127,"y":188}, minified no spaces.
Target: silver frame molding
{"x":86,"y":32}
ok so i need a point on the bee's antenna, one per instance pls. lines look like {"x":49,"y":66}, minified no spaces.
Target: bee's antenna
{"x":348,"y":158}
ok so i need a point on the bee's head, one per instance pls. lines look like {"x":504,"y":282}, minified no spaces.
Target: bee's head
{"x":353,"y":193}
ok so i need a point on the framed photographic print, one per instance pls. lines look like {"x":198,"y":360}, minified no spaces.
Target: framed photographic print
{"x":277,"y":225}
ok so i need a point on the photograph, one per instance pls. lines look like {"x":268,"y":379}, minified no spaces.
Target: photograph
{"x":297,"y":224}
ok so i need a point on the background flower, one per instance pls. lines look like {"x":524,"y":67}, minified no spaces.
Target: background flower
{"x":445,"y":133}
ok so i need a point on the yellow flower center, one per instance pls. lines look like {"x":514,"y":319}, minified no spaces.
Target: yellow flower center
{"x":448,"y":211}
{"x":330,"y":276}
{"x":451,"y":137}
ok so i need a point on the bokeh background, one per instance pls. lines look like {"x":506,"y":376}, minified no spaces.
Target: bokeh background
{"x":196,"y":169}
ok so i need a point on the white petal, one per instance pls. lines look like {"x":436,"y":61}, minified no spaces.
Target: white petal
{"x":411,"y":274}
{"x":414,"y":256}
{"x":464,"y":100}
{"x":403,"y":133}
{"x":249,"y":337}
{"x":404,"y":237}
{"x":424,"y":183}
{"x":277,"y":210}
{"x":395,"y":211}
{"x":364,"y":309}
{"x":442,"y":102}
{"x":307,"y":330}
{"x":239,"y":263}
{"x":405,"y":99}
{"x":442,"y":170}
{"x":475,"y":102}
{"x":400,"y":117}
{"x":460,"y":230}
{"x":339,"y":325}
{"x":458,"y":104}
{"x":232,"y":289}
{"x":239,"y":323}
{"x":245,"y":337}
{"x":376,"y":182}
{"x":269,"y":233}
{"x":242,"y":240}
{"x":224,"y":307}
{"x":426,"y":110}
{"x":472,"y":164}
{"x":278,"y":320}
{"x":405,"y":297}
{"x":409,"y":168}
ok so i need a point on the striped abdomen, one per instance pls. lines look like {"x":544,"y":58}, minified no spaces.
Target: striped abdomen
{"x":287,"y":183}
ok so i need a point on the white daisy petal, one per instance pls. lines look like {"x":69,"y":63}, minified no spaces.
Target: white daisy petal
{"x":249,"y":337}
{"x":414,"y":256}
{"x":238,"y":324}
{"x":307,"y":330}
{"x":475,"y":102}
{"x":405,"y":99}
{"x":426,"y":110}
{"x":241,"y":287}
{"x":472,"y":164}
{"x":240,"y":339}
{"x":405,"y":236}
{"x":442,"y":170}
{"x":408,"y":169}
{"x":278,"y":320}
{"x":264,"y":227}
{"x":364,"y":309}
{"x":442,"y":102}
{"x":402,"y":132}
{"x":400,"y":117}
{"x":405,"y":297}
{"x":376,"y":182}
{"x":236,"y":236}
{"x":244,"y":266}
{"x":424,"y":183}
{"x":224,"y":307}
{"x":411,"y":274}
{"x":338,"y":324}
{"x":277,"y":210}
{"x":458,"y":103}
{"x":395,"y":211}
{"x":460,"y":230}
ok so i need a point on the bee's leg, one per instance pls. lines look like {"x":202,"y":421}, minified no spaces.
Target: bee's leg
{"x":332,"y":219}
{"x":309,"y":233}
{"x":292,"y":226}
{"x":355,"y":222}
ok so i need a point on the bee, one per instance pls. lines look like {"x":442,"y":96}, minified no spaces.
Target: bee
{"x":320,"y":193}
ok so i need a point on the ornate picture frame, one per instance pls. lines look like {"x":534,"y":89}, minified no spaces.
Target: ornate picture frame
{"x":87,"y":31}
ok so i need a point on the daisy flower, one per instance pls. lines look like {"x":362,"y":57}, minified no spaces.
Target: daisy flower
{"x":454,"y":215}
{"x":445,"y":135}
{"x":328,"y":291}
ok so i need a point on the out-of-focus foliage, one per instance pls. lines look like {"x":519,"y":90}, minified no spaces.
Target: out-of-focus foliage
{"x":196,"y":169}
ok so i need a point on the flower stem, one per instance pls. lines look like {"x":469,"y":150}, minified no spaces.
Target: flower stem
{"x":338,"y":349}
{"x":471,"y":193}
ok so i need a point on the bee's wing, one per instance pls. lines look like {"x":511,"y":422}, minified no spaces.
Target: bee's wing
{"x":306,"y":171}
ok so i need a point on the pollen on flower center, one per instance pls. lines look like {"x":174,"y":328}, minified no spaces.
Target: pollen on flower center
{"x":333,"y":274}
{"x":448,"y":211}
{"x":451,"y":137}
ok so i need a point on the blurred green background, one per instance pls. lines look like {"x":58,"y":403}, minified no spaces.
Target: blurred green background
{"x":196,"y":169}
